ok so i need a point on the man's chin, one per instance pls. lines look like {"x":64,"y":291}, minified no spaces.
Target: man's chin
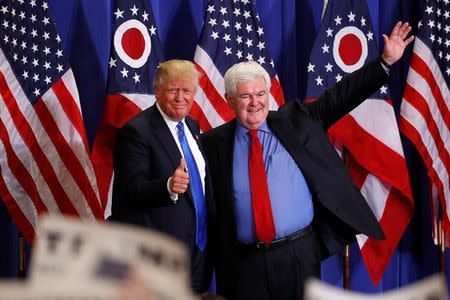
{"x":177,"y":116}
{"x":252,"y":125}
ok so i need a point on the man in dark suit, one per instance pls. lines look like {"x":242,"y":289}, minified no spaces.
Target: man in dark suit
{"x":161,"y":180}
{"x":284,"y":199}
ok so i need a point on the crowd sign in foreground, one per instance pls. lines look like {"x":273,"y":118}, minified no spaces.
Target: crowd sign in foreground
{"x":79,"y":260}
{"x":432,"y":288}
{"x":90,"y":261}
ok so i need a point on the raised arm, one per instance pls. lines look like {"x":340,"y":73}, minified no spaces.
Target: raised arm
{"x":396,"y":42}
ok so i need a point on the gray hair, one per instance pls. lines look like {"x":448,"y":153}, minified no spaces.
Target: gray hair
{"x":244,"y":72}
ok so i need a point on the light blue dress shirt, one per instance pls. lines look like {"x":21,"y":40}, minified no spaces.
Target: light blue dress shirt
{"x":290,"y":197}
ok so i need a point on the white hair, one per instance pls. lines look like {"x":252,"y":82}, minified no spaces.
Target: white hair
{"x":244,"y":72}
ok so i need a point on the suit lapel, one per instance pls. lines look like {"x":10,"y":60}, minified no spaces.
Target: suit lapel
{"x":293,"y":138}
{"x":167,"y":141}
{"x":226,"y":148}
{"x":164,"y":136}
{"x":193,"y":128}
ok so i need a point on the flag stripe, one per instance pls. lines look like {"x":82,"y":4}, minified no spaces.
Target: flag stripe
{"x":28,"y":137}
{"x":415,"y":99}
{"x":373,"y":112}
{"x":413,"y":127}
{"x":71,"y":109}
{"x":46,"y":168}
{"x":25,"y":211}
{"x":142,"y":101}
{"x":425,"y":116}
{"x":424,"y":64}
{"x":431,"y":90}
{"x":375,"y":191}
{"x":197,"y":113}
{"x":206,"y":66}
{"x":101,"y":158}
{"x":69,"y":133}
{"x":362,"y":145}
{"x":81,"y":182}
{"x":410,"y":123}
{"x":118,"y":109}
{"x":208,"y":110}
{"x":277,"y":91}
{"x":421,"y":90}
{"x":218,"y":103}
{"x":20,"y":155}
{"x":395,"y":219}
{"x":57,"y":188}
{"x":20,"y":172}
{"x":393,"y":211}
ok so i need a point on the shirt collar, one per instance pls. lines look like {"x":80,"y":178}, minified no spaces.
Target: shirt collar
{"x":242,"y":131}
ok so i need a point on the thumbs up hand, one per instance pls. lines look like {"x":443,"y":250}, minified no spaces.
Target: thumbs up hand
{"x":180,"y":179}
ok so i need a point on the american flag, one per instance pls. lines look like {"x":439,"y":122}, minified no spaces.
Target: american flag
{"x":368,"y":135}
{"x":135,"y":56}
{"x":44,"y":160}
{"x":425,"y":109}
{"x":231,"y":33}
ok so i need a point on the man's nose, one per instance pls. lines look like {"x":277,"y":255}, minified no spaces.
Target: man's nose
{"x":179,"y":94}
{"x":253,"y":100}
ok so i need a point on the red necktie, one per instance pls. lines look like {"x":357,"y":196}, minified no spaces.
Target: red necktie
{"x":262,"y":211}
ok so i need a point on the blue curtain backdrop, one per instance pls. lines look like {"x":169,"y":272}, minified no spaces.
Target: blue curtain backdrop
{"x":290,"y":27}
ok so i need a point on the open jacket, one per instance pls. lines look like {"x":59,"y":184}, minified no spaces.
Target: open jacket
{"x":340,"y":210}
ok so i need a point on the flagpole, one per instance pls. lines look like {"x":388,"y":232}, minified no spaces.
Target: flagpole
{"x":21,"y":256}
{"x":346,"y":283}
{"x":441,"y":245}
{"x":346,"y":270}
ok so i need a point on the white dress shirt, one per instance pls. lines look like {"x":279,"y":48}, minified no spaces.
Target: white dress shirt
{"x":199,"y":160}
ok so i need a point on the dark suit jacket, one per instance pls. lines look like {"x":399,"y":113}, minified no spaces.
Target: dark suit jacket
{"x":340,"y":209}
{"x":145,"y":156}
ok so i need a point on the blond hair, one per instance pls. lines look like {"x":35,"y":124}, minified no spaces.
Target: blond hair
{"x":176,"y":69}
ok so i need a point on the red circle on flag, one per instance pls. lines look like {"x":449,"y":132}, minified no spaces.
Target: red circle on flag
{"x":133,"y":43}
{"x":350,"y":49}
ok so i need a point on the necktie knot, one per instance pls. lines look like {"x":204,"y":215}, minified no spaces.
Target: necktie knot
{"x":253,"y":133}
{"x":180,"y":127}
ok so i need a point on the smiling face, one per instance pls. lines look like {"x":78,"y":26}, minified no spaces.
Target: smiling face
{"x":250,"y":102}
{"x":175,"y":85}
{"x":175,"y":97}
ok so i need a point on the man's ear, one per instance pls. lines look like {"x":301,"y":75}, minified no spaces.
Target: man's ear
{"x":156,"y":91}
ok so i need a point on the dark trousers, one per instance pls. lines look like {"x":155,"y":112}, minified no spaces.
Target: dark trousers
{"x":198,"y":273}
{"x":278,"y":273}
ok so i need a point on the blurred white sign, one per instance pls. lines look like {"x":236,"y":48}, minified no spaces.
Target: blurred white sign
{"x":432,"y":288}
{"x":80,"y":260}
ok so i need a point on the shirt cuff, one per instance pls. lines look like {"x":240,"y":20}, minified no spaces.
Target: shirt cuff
{"x":173,"y":196}
{"x":385,"y":65}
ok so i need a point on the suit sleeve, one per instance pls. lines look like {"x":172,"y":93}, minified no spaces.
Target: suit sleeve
{"x":347,"y":94}
{"x":134,"y":183}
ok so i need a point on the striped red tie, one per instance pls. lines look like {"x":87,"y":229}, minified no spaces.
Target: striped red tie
{"x":262,"y":211}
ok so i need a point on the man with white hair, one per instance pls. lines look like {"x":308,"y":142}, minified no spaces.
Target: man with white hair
{"x":284,"y":199}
